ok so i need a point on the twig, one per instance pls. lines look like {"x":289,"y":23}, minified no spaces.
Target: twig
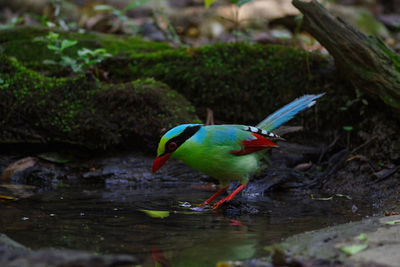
{"x":364,"y":144}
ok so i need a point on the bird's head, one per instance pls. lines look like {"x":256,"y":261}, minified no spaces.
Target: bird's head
{"x":171,"y":141}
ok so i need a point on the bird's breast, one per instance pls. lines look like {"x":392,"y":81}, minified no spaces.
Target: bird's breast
{"x":218,"y":162}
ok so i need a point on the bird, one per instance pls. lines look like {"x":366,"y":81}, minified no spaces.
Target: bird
{"x":227,"y":152}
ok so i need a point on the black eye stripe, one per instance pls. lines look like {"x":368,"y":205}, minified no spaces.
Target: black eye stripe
{"x":181,"y":138}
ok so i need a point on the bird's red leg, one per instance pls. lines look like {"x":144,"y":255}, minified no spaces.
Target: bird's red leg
{"x":219,"y":192}
{"x":229,"y":197}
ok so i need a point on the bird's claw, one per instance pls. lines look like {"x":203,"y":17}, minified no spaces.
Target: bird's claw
{"x":204,"y":204}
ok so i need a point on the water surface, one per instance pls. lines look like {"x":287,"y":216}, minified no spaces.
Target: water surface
{"x":104,"y":218}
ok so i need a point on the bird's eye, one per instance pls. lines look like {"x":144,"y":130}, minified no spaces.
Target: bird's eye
{"x":172,"y":146}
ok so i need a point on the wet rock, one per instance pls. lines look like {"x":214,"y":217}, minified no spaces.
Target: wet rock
{"x":323,"y":247}
{"x":113,"y":171}
{"x":278,"y":179}
{"x":14,"y":254}
{"x":10,"y":173}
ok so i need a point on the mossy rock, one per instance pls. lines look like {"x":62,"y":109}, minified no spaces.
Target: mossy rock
{"x":241,"y":83}
{"x":19,"y":42}
{"x":35,"y":108}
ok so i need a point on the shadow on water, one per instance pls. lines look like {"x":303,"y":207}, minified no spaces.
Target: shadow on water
{"x":105,"y":219}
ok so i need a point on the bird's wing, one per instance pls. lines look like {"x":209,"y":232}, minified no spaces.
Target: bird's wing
{"x":255,"y":143}
{"x":241,"y":139}
{"x":287,"y":112}
{"x":238,"y":140}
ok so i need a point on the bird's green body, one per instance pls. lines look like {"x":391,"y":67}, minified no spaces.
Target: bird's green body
{"x":209,"y":151}
{"x":226,"y":152}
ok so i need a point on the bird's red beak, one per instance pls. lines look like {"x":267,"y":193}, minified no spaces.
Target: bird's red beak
{"x":159,"y":161}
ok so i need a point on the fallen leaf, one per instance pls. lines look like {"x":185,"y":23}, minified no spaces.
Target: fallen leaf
{"x":392,"y":222}
{"x":156,"y":213}
{"x":361,"y":157}
{"x":321,"y":198}
{"x":18,"y":190}
{"x":329,"y":198}
{"x":362,"y":237}
{"x":7,"y":197}
{"x":303,"y":166}
{"x":354,"y":249}
{"x":341,"y":195}
{"x":18,"y":186}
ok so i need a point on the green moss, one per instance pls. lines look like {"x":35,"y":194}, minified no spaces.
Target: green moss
{"x":239,"y":82}
{"x":388,"y":52}
{"x":18,"y":42}
{"x":76,"y":110}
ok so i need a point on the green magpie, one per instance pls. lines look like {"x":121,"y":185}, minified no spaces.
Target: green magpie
{"x":226,"y":152}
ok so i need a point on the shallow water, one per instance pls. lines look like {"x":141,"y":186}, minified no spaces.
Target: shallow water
{"x":104,"y":218}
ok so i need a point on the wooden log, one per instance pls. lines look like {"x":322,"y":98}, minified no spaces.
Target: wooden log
{"x":366,"y":61}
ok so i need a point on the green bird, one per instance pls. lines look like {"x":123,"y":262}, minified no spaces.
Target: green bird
{"x":226,"y":152}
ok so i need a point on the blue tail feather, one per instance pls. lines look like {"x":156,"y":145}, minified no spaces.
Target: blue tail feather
{"x":287,"y":112}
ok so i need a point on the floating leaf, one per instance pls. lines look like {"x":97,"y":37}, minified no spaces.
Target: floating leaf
{"x":156,"y":213}
{"x":392,"y":222}
{"x":354,"y":249}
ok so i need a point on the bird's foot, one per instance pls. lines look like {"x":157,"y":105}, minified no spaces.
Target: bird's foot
{"x":219,"y":192}
{"x":219,"y":203}
{"x":229,"y":197}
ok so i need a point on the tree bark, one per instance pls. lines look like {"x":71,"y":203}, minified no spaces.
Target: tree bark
{"x":367,"y":62}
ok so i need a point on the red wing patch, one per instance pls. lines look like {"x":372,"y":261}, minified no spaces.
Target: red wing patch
{"x":250,"y":146}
